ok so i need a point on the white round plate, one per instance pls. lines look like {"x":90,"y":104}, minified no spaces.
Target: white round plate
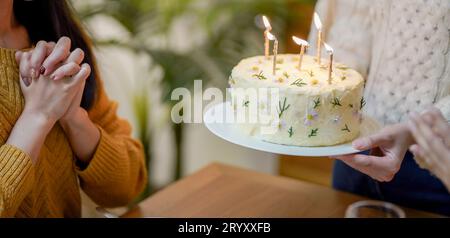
{"x":228,"y":132}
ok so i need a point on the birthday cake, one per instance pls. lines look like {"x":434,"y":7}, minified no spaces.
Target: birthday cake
{"x":310,"y":109}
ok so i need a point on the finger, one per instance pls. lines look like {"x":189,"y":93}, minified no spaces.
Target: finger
{"x":38,"y":56}
{"x":362,"y":161}
{"x":440,"y":125}
{"x":379,"y":168}
{"x":66,"y":70}
{"x":372,"y":141}
{"x":420,"y":138}
{"x":77,"y":56}
{"x":344,"y":157}
{"x":24,"y":66}
{"x":24,"y":84}
{"x":18,"y":56}
{"x":79,"y":95}
{"x":82,"y":75}
{"x":59,"y":54}
{"x":50,"y":46}
{"x":435,"y":144}
{"x":26,"y":81}
{"x":417,"y":150}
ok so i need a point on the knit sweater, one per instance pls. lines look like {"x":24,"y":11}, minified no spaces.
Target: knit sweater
{"x":51,"y":187}
{"x":401,"y":47}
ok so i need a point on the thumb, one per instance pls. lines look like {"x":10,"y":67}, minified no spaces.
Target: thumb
{"x":18,"y":56}
{"x":24,"y":83}
{"x":416,"y":150}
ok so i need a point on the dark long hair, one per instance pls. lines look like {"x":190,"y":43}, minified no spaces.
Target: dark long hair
{"x":49,"y":20}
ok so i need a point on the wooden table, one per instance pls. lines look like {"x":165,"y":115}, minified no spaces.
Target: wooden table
{"x":224,"y":191}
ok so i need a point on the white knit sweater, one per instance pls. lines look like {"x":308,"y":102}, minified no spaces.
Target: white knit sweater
{"x":401,"y":46}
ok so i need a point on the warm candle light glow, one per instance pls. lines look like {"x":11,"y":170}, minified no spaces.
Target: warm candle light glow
{"x":266,"y":40}
{"x":318,"y":24}
{"x":266,"y":23}
{"x":330,"y":51}
{"x":317,"y":21}
{"x":303,"y":44}
{"x":271,"y":37}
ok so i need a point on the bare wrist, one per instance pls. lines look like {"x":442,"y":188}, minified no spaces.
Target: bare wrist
{"x":38,"y":119}
{"x":71,"y":122}
{"x":75,"y":119}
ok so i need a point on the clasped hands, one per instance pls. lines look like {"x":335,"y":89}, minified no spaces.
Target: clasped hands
{"x":52,"y":79}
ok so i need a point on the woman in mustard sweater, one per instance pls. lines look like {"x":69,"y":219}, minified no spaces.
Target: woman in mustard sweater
{"x":59,"y":132}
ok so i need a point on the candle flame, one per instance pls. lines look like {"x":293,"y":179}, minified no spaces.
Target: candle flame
{"x":317,"y":21}
{"x":299,"y":41}
{"x":266,"y":23}
{"x":270,"y":36}
{"x":328,"y":48}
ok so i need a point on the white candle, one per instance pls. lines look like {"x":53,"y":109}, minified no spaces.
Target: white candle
{"x":266,"y":39}
{"x":330,"y":65}
{"x":271,"y":37}
{"x":303,"y":45}
{"x":318,"y":24}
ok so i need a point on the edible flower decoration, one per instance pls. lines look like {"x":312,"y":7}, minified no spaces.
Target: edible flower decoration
{"x":310,"y":117}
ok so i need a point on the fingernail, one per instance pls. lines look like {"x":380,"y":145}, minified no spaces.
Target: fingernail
{"x":53,"y":77}
{"x":42,"y":70}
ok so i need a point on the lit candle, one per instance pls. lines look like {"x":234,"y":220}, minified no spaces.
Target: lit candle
{"x":303,"y":44}
{"x":330,"y":66}
{"x":318,"y":24}
{"x":266,"y":39}
{"x":271,"y":37}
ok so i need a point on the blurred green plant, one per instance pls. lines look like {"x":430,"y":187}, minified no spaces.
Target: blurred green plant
{"x":229,"y":33}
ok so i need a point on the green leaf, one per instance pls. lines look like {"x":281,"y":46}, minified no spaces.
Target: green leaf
{"x":313,"y":132}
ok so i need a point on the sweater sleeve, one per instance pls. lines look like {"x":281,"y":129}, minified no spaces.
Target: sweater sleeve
{"x":346,"y":28}
{"x":117,"y":173}
{"x":16,"y":179}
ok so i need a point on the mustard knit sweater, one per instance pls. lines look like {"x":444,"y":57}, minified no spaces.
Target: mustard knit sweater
{"x":51,"y":188}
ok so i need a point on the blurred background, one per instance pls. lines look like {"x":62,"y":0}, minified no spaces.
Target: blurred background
{"x":146,"y":48}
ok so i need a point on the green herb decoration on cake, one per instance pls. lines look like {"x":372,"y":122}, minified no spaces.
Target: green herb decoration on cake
{"x":282,"y":108}
{"x":316,"y":103}
{"x":362,"y":103}
{"x":260,"y":76}
{"x":313,"y":132}
{"x":345,"y":128}
{"x":336,"y":102}
{"x":298,"y":83}
{"x":290,"y":131}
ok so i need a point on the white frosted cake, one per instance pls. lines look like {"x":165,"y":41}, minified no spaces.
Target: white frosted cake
{"x":310,"y":111}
